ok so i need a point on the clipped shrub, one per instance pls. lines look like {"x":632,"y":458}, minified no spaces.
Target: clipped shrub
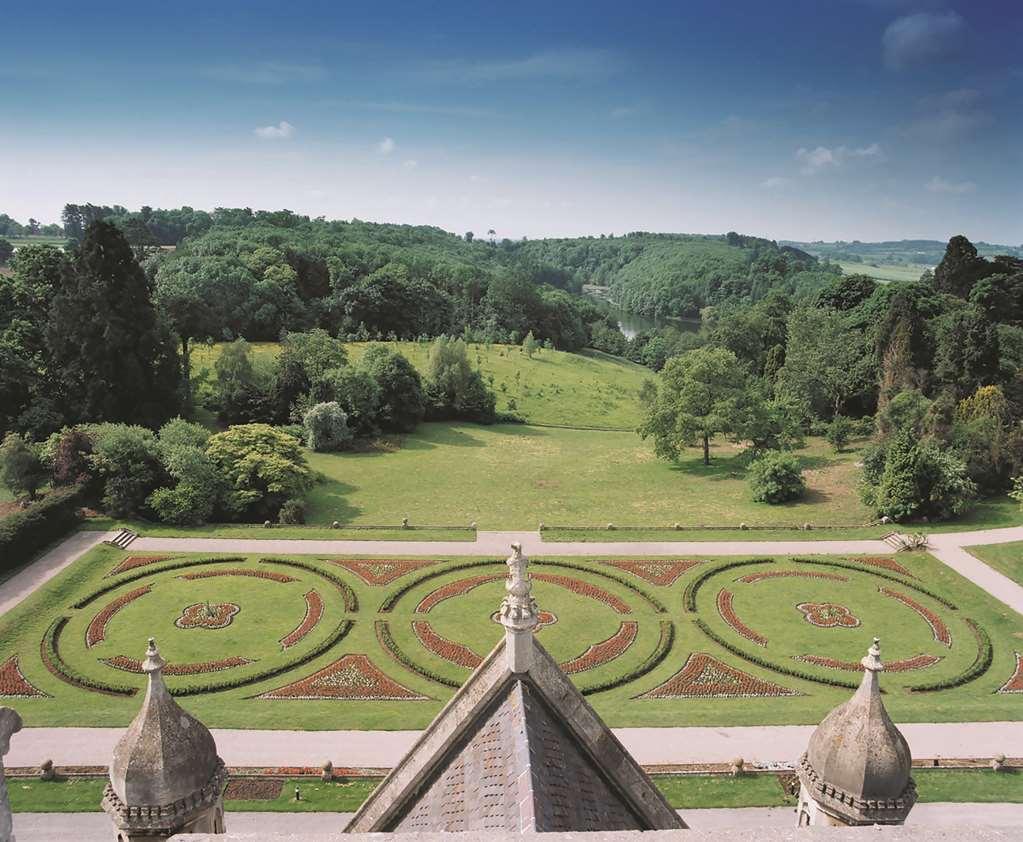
{"x":386,"y":639}
{"x":26,"y":531}
{"x":292,"y":512}
{"x":776,"y":477}
{"x":664,"y":644}
{"x":980,"y":664}
{"x":693,"y":588}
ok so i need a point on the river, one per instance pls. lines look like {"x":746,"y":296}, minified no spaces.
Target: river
{"x":632,"y":323}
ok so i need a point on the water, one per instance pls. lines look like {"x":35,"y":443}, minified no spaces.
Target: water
{"x":632,"y":323}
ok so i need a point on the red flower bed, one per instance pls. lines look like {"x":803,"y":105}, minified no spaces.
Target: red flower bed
{"x":781,"y":574}
{"x":380,"y":571}
{"x":938,"y":628}
{"x":1014,"y":684}
{"x":456,"y":653}
{"x":828,"y":615}
{"x":313,"y":612}
{"x":352,"y":677}
{"x":96,"y":632}
{"x":463,"y":586}
{"x":606,"y":650}
{"x":886,"y":564}
{"x":917,"y":662}
{"x":451,"y":589}
{"x":14,"y":685}
{"x":123,"y":662}
{"x":206,"y":615}
{"x":656,"y":572}
{"x":728,"y":614}
{"x":133,"y":561}
{"x":241,"y":571}
{"x":704,"y":676}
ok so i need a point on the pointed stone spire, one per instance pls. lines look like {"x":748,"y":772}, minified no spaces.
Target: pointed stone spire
{"x":856,"y":769}
{"x":518,"y":612}
{"x":10,"y":724}
{"x":165,"y":776}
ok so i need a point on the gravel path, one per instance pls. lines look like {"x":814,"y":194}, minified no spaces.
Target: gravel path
{"x":948,"y":549}
{"x":48,"y":565}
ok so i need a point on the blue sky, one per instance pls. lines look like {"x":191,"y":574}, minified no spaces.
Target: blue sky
{"x":810,"y":119}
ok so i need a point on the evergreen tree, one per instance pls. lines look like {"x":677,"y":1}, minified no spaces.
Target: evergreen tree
{"x":111,"y":358}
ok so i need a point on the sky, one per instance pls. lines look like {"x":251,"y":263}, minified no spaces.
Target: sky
{"x":789,"y":119}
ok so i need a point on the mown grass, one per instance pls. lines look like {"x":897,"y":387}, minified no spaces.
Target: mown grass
{"x":510,"y":476}
{"x":269,"y":610}
{"x":885,"y":272}
{"x":1005,"y":558}
{"x":694,"y":792}
{"x":589,"y":389}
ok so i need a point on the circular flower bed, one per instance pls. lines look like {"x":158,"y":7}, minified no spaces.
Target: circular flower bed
{"x":207,"y":615}
{"x":828,"y":615}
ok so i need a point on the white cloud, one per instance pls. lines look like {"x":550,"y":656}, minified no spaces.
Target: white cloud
{"x":265,"y":73}
{"x":950,"y":116}
{"x":386,"y":146}
{"x":410,"y":164}
{"x":570,"y":63}
{"x":923,"y":38}
{"x":282,"y":131}
{"x":823,"y":158}
{"x":955,"y":188}
{"x":774,"y":182}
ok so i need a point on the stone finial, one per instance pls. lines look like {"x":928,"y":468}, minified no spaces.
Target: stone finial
{"x":518,"y":611}
{"x":10,"y":724}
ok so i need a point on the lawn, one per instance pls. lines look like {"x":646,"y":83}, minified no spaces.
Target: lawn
{"x":510,"y":476}
{"x":256,"y":644}
{"x":1005,"y":558}
{"x":683,"y":792}
{"x":586,"y":390}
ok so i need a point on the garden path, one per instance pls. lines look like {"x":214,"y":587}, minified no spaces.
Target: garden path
{"x":650,"y":746}
{"x":948,"y":549}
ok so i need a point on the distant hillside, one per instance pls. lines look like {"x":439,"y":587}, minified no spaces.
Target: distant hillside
{"x":894,"y":252}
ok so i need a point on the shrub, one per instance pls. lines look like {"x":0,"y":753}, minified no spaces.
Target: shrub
{"x":71,"y":464}
{"x":127,"y":461}
{"x":20,"y":468}
{"x":776,"y":478}
{"x":1017,"y":490}
{"x":326,"y":428}
{"x":292,"y":512}
{"x":839,"y":431}
{"x":26,"y":531}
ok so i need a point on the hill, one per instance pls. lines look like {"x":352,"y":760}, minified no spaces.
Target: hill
{"x":575,"y":390}
{"x":914,"y":253}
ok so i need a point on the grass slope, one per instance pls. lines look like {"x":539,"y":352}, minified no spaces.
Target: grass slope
{"x":885,"y":272}
{"x":1005,"y":558}
{"x":587,"y":390}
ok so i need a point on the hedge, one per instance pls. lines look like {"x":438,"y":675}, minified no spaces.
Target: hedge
{"x":391,"y":599}
{"x":334,"y":638}
{"x":26,"y":531}
{"x":975,"y":670}
{"x":386,"y":639}
{"x":134,"y":577}
{"x":689,"y":594}
{"x":657,"y":605}
{"x":763,"y":662}
{"x":49,"y":652}
{"x":347,"y":594}
{"x":859,"y":568}
{"x":660,"y":652}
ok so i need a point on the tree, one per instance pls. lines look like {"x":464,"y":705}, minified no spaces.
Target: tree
{"x":356,"y":391}
{"x":697,"y":397}
{"x":126,"y":459}
{"x":961,"y":268}
{"x":263,"y":466}
{"x":71,"y":462}
{"x":453,"y":388}
{"x":402,"y":402}
{"x":469,"y":236}
{"x":20,"y":467}
{"x":968,"y":354}
{"x":776,"y":478}
{"x":822,"y":356}
{"x":839,"y":432}
{"x":326,"y":428}
{"x":111,"y":358}
{"x":6,"y":251}
{"x":529,"y":345}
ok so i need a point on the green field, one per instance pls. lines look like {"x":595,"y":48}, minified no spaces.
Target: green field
{"x":581,"y":390}
{"x":1005,"y":558}
{"x":511,"y":476}
{"x":885,"y":271}
{"x":226,"y":636}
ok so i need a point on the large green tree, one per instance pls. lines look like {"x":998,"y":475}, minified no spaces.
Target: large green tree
{"x":699,"y":395}
{"x":111,"y":357}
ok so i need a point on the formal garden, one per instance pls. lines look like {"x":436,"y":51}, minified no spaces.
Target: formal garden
{"x":315,"y":642}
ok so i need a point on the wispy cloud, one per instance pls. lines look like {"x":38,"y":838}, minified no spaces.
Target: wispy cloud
{"x":282,"y":131}
{"x":265,"y":73}
{"x":774,"y":182}
{"x":823,"y":158}
{"x":923,"y":38}
{"x":410,"y":164}
{"x":955,"y":188}
{"x":950,"y":116}
{"x":570,"y":63}
{"x":386,"y":146}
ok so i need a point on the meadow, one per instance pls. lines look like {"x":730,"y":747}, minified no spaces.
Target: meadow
{"x":379,"y":643}
{"x":885,"y":272}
